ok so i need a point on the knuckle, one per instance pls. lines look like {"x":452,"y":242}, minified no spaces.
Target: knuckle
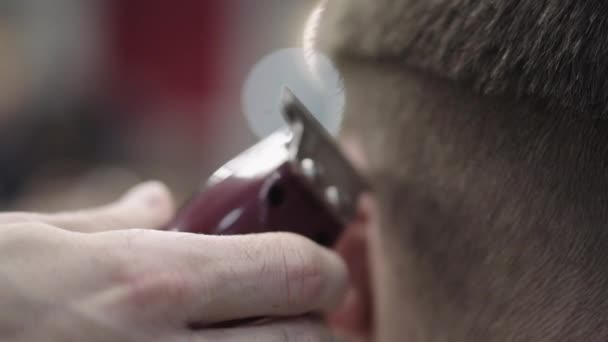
{"x":123,"y":259}
{"x":147,"y":281}
{"x":25,"y":238}
{"x":15,"y":217}
{"x":302,"y":267}
{"x":32,"y":230}
{"x":164,"y":288}
{"x":128,"y":259}
{"x":38,"y":225}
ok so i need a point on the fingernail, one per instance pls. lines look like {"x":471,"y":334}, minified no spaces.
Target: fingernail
{"x":152,"y":194}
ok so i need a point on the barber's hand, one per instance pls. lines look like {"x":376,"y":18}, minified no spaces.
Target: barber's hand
{"x":88,"y":276}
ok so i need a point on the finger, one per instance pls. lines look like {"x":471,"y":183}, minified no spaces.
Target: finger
{"x":147,"y":206}
{"x":281,"y":331}
{"x":206,"y":279}
{"x":268,"y":275}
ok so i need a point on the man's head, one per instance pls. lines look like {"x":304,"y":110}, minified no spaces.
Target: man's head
{"x":483,"y":127}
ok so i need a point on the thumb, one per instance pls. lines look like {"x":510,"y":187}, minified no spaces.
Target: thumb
{"x":146,"y":206}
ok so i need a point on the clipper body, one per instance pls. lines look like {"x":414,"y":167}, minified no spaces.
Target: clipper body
{"x":297,"y":180}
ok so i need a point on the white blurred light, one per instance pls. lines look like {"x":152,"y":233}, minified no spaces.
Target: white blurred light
{"x":318,"y":85}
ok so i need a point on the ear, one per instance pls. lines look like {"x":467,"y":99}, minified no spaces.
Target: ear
{"x":354,"y":316}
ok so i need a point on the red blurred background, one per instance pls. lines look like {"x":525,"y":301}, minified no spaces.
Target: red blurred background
{"x":98,"y":95}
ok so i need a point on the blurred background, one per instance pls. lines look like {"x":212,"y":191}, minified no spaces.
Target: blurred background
{"x":98,"y":95}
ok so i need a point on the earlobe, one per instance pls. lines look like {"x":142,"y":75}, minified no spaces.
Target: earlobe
{"x":354,"y":316}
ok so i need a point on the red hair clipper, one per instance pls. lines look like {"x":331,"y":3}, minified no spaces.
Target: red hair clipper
{"x":296,"y":180}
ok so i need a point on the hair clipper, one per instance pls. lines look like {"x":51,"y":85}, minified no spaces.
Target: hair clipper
{"x":296,"y":180}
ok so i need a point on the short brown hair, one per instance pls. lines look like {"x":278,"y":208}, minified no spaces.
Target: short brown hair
{"x":554,"y":49}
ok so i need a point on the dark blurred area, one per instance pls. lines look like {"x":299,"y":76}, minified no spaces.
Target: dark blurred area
{"x":96,"y":96}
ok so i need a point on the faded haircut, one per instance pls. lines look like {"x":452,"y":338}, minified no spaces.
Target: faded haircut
{"x":484,"y":126}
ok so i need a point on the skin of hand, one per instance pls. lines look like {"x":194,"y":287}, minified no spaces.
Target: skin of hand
{"x":109,"y":274}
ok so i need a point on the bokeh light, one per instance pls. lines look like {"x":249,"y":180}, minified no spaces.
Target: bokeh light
{"x":321,"y":89}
